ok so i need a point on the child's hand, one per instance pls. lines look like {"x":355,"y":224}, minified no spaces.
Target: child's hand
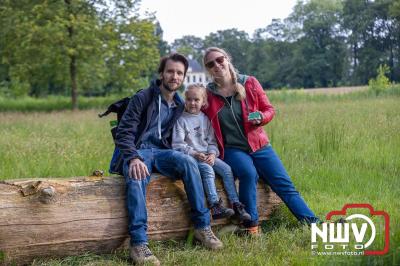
{"x":210,"y":159}
{"x":200,"y":156}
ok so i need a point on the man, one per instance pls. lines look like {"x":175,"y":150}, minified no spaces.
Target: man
{"x":144,"y":137}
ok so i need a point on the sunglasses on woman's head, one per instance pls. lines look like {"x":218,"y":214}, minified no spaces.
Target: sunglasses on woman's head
{"x":219,"y":60}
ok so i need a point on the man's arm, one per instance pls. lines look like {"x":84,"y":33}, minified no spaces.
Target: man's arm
{"x":127,"y":134}
{"x":128,"y":128}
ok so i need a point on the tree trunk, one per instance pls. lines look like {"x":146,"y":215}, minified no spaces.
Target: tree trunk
{"x":74,"y":87}
{"x":72,"y":61}
{"x":62,"y":217}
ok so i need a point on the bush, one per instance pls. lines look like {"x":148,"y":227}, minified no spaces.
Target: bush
{"x":381,"y":82}
{"x":14,"y":89}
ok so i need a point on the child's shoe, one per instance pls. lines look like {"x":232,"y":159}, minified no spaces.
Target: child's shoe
{"x":240,"y":212}
{"x":218,"y":211}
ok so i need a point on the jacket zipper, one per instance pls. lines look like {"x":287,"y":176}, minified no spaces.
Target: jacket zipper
{"x":234,"y":118}
{"x":216,"y":117}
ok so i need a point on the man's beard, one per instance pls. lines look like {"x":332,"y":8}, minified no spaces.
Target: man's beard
{"x":168,"y":88}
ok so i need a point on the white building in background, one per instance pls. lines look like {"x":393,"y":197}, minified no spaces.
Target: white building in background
{"x":195,"y":74}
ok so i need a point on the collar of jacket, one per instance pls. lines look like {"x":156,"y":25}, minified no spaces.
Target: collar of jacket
{"x":155,"y":86}
{"x":240,"y":78}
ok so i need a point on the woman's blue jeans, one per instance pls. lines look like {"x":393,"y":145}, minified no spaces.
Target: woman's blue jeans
{"x":175,"y":165}
{"x":207,"y":173}
{"x":266,"y":164}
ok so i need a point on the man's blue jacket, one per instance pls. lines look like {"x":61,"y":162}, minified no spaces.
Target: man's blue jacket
{"x":135,"y":122}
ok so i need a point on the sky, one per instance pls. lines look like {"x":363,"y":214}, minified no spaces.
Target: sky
{"x":201,"y":17}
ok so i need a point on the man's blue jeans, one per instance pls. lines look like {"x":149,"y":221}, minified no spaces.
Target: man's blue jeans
{"x":208,"y":177}
{"x":266,"y":164}
{"x":175,"y":165}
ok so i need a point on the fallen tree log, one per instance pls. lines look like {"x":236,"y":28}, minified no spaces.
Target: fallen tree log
{"x":62,"y":217}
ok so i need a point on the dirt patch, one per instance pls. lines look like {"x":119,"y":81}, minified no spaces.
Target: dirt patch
{"x":337,"y":90}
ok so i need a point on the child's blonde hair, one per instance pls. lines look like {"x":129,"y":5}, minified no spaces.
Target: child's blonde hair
{"x":200,"y":87}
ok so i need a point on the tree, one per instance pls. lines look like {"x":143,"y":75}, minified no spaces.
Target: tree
{"x":373,"y":36}
{"x":189,"y":45}
{"x":320,"y":42}
{"x":235,"y":42}
{"x":163,"y":46}
{"x":76,"y":43}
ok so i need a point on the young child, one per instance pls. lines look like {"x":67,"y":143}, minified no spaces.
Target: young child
{"x":194,"y":135}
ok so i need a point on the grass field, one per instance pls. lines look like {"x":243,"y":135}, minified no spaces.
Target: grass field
{"x":337,"y":150}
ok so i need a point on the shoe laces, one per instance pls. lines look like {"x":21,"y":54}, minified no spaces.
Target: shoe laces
{"x":217,"y":207}
{"x":209,"y":234}
{"x":144,"y":249}
{"x":240,"y":207}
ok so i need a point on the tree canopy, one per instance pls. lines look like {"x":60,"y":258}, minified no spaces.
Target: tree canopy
{"x":75,"y":45}
{"x":96,"y":47}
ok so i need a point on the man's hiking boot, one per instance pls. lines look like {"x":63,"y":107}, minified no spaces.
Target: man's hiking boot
{"x":141,"y":254}
{"x":207,"y":238}
{"x":218,"y":211}
{"x":240,"y":212}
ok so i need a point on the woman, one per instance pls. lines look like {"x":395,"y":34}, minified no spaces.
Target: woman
{"x":242,"y":142}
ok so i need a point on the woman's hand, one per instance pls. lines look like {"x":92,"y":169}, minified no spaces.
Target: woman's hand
{"x":255,"y":118}
{"x":255,"y":122}
{"x":210,"y":159}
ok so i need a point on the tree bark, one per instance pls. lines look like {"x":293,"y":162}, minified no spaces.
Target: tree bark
{"x":72,"y":62}
{"x":74,"y":86}
{"x":62,"y":217}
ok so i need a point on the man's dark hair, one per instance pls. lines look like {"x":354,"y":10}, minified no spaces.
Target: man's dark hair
{"x":174,"y":57}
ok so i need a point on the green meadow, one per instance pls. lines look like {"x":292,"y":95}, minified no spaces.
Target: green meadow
{"x":337,"y":149}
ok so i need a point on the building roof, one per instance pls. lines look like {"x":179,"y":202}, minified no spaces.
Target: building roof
{"x":194,"y":66}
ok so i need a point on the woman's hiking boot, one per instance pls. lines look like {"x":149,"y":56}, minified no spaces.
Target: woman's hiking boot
{"x":253,"y":231}
{"x":218,"y":211}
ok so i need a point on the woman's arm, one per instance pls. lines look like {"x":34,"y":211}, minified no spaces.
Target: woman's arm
{"x":264,"y":106}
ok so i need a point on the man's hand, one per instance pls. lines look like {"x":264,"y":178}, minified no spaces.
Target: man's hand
{"x":200,"y":156}
{"x":137,"y":169}
{"x":210,"y":159}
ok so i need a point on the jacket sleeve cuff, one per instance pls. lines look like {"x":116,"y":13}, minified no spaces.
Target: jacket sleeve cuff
{"x":133,"y":156}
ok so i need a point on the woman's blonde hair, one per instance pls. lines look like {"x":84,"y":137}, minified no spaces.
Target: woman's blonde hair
{"x":200,"y":87}
{"x":239,"y":89}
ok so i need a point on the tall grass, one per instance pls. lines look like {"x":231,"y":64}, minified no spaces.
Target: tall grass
{"x":53,"y":103}
{"x":59,"y":103}
{"x":337,"y":151}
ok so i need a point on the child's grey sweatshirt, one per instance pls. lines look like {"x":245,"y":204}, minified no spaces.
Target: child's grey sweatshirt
{"x":194,"y":133}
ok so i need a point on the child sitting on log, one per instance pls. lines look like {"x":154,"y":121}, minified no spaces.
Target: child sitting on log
{"x":194,"y":135}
